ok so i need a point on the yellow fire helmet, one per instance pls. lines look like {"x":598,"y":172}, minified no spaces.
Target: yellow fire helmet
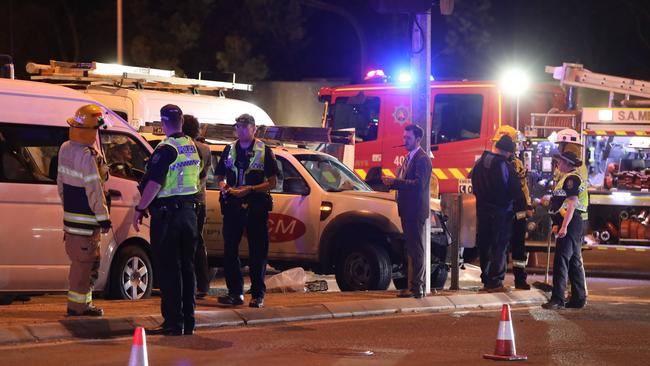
{"x":84,"y":124}
{"x":506,"y":130}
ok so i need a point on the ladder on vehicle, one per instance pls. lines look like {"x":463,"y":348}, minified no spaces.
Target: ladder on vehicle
{"x":97,"y":73}
{"x":575,"y":75}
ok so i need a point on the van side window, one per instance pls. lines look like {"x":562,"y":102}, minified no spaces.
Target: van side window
{"x":360,"y":113}
{"x":125,"y":157}
{"x":28,"y":154}
{"x":456,"y":117}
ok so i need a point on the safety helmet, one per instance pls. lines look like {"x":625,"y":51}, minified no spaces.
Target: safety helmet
{"x":569,"y":136}
{"x":84,"y":124}
{"x":506,"y":130}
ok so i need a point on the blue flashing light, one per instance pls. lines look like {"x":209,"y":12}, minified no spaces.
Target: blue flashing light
{"x":404,"y":77}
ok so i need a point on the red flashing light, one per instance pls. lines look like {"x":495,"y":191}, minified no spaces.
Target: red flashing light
{"x":375,"y":74}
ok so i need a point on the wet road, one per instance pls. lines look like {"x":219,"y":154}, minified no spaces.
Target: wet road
{"x":613,"y":329}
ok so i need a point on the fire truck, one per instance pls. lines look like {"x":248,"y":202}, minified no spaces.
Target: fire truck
{"x":466,"y":115}
{"x":616,"y":152}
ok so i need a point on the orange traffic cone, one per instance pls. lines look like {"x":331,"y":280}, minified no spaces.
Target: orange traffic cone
{"x":139,"y":349}
{"x":505,"y":349}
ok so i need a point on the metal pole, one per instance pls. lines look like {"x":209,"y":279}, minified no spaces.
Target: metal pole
{"x":120,"y":54}
{"x":421,"y":108}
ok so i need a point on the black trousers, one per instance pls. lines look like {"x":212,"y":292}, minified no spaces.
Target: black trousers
{"x":256,"y":226}
{"x":173,"y":239}
{"x":492,"y":238}
{"x":518,"y":249}
{"x":568,"y":263}
{"x":414,"y":233}
{"x":201,"y":257}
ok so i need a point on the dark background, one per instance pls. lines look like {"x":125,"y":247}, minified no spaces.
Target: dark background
{"x":307,"y":39}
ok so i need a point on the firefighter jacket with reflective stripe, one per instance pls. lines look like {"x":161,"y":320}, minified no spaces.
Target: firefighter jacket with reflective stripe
{"x":256,"y":164}
{"x":583,"y":194}
{"x":522,"y":174}
{"x":82,"y":172}
{"x":183,"y":174}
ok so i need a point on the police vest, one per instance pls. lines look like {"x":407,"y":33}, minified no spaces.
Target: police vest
{"x":583,"y":195}
{"x":183,"y":174}
{"x":256,"y":162}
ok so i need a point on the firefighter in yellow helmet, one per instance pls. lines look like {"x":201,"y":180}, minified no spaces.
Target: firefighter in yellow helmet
{"x":523,"y":209}
{"x":81,"y":175}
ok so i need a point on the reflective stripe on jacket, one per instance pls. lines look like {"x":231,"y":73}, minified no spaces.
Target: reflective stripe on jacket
{"x":80,"y":180}
{"x":183,"y":173}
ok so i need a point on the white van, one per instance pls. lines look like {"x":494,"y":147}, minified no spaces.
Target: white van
{"x":137,"y":93}
{"x":141,"y":106}
{"x":32,"y":254}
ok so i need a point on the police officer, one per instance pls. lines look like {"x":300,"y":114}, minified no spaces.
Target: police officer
{"x":566,"y":208}
{"x":250,"y":170}
{"x":82,"y":172}
{"x":168,"y":193}
{"x":523,"y":209}
{"x":496,"y":187}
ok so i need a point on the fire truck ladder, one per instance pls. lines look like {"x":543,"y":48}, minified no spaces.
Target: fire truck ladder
{"x":575,"y":75}
{"x":97,"y":73}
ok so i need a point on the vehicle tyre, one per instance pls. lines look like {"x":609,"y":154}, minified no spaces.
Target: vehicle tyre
{"x":131,"y":274}
{"x":363,"y":267}
{"x":439,"y":273}
{"x":7,"y":299}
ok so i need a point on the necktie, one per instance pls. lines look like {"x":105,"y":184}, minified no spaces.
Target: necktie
{"x":405,"y":165}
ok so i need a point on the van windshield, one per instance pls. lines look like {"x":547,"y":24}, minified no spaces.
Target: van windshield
{"x":330,"y":174}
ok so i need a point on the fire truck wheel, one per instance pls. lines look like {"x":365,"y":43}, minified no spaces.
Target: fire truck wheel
{"x":363,"y":267}
{"x":131,"y":274}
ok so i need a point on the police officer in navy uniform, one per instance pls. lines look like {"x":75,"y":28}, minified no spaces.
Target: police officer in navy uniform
{"x":496,"y":187}
{"x":250,"y":172}
{"x":568,"y":204}
{"x":169,"y":188}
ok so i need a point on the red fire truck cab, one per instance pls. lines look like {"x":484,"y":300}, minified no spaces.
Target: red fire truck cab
{"x":465,"y":117}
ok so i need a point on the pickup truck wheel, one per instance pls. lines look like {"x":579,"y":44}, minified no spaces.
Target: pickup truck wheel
{"x":131,"y":274}
{"x":363,"y":267}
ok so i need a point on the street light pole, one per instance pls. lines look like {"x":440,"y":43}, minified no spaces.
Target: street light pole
{"x":120,"y":53}
{"x":421,"y":108}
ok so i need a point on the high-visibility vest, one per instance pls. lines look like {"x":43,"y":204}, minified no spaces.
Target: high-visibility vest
{"x":256,"y":162}
{"x":583,"y":195}
{"x":183,"y":174}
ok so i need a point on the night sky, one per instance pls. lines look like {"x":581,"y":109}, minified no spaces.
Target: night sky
{"x":479,"y":39}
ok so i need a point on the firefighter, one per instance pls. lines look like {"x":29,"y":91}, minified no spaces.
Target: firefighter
{"x":169,"y":191}
{"x":250,"y":172}
{"x":523,"y":209}
{"x":566,"y":208}
{"x":82,"y":172}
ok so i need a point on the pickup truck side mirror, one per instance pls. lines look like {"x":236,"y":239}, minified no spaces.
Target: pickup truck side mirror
{"x":295,"y":185}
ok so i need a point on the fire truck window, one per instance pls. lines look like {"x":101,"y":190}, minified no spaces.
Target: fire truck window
{"x":360,"y":114}
{"x":456,"y":117}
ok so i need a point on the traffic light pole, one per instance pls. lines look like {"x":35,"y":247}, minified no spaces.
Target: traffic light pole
{"x":421,"y":106}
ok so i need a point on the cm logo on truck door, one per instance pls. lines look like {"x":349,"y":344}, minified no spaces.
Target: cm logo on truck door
{"x":285,"y":228}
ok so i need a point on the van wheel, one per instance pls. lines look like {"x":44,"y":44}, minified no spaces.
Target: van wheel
{"x":131,"y":274}
{"x":363,"y":267}
{"x":7,"y":299}
{"x":401,"y":283}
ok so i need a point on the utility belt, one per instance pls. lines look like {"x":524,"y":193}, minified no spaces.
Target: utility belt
{"x":256,"y":202}
{"x":174,"y":205}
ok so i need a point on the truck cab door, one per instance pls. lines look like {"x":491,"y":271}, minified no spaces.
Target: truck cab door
{"x":459,"y":132}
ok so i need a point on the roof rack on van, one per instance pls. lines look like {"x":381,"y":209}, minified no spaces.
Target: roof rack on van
{"x":276,"y":135}
{"x":97,"y":73}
